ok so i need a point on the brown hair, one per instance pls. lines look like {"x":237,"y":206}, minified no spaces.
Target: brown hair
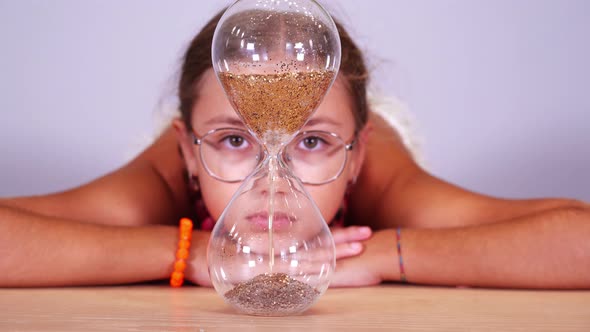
{"x":197,"y":60}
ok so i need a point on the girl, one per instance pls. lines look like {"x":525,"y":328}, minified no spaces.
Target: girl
{"x":120,"y":228}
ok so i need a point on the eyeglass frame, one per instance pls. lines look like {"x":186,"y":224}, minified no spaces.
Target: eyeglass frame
{"x":199,"y":140}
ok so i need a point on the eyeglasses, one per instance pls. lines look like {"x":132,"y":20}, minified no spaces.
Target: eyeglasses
{"x":231,"y":154}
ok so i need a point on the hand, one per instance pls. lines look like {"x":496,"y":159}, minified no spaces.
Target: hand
{"x":348,"y":240}
{"x":348,"y":243}
{"x":197,"y":271}
{"x":378,"y":260}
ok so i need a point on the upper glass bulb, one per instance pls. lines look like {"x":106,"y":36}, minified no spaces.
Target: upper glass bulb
{"x":276,"y":59}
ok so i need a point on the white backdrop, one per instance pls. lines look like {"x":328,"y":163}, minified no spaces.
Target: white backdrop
{"x":498,"y":88}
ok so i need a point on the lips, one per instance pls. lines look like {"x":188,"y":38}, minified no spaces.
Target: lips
{"x":260,"y":220}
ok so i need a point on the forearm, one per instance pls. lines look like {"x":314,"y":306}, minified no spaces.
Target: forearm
{"x":136,"y":194}
{"x":419,"y":199}
{"x":468,"y":210}
{"x":545,"y":250}
{"x":42,"y":251}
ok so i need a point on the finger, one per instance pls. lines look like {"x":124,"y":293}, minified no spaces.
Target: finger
{"x":343,"y":250}
{"x":351,"y":234}
{"x":348,"y":249}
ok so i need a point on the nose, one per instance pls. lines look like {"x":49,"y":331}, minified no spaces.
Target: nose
{"x":282,"y":183}
{"x":287,"y":157}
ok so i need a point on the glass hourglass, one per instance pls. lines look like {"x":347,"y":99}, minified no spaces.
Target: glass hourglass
{"x":271,"y":252}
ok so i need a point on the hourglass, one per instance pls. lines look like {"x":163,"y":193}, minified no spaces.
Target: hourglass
{"x":271,"y":252}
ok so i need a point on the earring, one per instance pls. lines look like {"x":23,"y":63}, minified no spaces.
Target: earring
{"x":193,"y":182}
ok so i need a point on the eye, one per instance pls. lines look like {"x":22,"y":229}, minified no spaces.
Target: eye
{"x":235,"y":142}
{"x":311,"y":143}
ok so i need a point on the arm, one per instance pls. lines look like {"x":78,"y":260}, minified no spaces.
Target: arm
{"x":43,"y":251}
{"x":83,"y":236}
{"x":546,"y":250}
{"x":455,"y":237}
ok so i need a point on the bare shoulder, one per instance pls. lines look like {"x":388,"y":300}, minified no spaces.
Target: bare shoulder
{"x":393,"y":190}
{"x":150,"y":189}
{"x":388,"y":164}
{"x":165,"y":158}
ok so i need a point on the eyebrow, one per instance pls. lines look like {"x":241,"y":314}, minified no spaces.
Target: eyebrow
{"x":234,"y":121}
{"x":322,"y":120}
{"x":225,"y":119}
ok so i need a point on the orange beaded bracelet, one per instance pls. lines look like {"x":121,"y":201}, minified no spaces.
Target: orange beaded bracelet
{"x":184,"y":244}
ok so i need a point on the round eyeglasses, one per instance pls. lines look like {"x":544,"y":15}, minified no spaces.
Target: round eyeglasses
{"x":231,"y":154}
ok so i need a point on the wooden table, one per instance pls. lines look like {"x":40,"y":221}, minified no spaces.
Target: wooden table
{"x":386,"y":307}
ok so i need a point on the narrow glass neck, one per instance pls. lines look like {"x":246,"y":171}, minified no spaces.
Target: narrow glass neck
{"x":274,"y":142}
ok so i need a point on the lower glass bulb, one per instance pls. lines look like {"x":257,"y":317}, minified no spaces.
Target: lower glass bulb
{"x":271,"y":252}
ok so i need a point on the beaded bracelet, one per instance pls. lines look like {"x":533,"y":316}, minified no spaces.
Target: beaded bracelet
{"x":184,"y":243}
{"x":402,"y":271}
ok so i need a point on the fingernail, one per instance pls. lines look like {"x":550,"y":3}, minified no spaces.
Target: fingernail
{"x":355,"y":246}
{"x":365,"y":230}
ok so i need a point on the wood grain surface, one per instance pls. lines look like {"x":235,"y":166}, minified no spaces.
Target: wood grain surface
{"x":385,"y":307}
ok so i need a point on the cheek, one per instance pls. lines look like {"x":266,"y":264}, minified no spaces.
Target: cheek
{"x":328,"y":197}
{"x":216,"y":194}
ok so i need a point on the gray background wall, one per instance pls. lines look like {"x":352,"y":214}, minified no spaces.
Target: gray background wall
{"x":498,"y":88}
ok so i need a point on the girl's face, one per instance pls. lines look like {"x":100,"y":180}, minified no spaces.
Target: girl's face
{"x":212,"y":110}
